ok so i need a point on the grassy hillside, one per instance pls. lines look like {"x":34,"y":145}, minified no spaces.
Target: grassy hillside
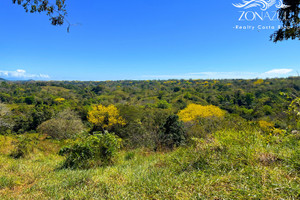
{"x":226,"y":165}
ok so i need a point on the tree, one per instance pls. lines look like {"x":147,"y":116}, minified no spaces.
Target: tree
{"x":30,"y":100}
{"x":163,"y":104}
{"x":105,"y":117}
{"x":172,"y":132}
{"x":289,"y":16}
{"x":57,"y":12}
{"x":194,"y":111}
{"x":65,"y":125}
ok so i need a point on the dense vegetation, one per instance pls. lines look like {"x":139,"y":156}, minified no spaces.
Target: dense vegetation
{"x":32,"y":102}
{"x":175,"y":139}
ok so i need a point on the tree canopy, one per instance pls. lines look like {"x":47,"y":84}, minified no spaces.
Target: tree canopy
{"x":289,"y":17}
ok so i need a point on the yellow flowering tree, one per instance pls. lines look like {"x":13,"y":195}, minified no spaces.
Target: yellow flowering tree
{"x":59,"y":100}
{"x":259,"y":82}
{"x":105,"y":116}
{"x":195,"y":111}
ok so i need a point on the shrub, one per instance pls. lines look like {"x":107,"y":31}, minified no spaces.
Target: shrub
{"x":92,"y":151}
{"x":266,"y":126}
{"x":137,"y":135}
{"x":6,"y":124}
{"x":129,"y":156}
{"x":172,"y":132}
{"x":24,"y":146}
{"x":65,"y":125}
{"x":294,"y":114}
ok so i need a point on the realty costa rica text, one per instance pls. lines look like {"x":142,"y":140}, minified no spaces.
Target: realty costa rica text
{"x":251,"y":11}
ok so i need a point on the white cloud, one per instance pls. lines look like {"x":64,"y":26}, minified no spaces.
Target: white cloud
{"x":21,"y":71}
{"x":279,"y":71}
{"x":22,"y":74}
{"x":226,"y":75}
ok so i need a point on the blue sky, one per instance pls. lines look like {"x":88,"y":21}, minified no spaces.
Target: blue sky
{"x":142,"y":39}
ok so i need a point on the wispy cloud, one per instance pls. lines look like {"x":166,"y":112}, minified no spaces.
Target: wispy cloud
{"x":22,"y":74}
{"x":279,"y":71}
{"x":226,"y":75}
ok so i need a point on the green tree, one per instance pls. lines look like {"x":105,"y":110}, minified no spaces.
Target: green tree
{"x":289,"y":17}
{"x":163,"y":104}
{"x":172,"y":133}
{"x":30,"y":100}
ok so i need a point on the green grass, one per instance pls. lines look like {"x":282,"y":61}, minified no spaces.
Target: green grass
{"x":227,"y":165}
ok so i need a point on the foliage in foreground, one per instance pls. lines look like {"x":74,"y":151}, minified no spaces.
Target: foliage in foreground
{"x":23,"y":146}
{"x":92,"y":151}
{"x":226,"y":165}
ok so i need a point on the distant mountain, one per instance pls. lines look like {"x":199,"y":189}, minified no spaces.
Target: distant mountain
{"x":16,"y":79}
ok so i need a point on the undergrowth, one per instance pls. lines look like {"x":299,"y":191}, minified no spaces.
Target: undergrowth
{"x":225,"y":165}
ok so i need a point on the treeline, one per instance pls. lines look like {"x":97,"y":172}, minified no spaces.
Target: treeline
{"x":250,"y":99}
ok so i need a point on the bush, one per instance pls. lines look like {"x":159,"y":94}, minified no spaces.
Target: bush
{"x":6,"y":124}
{"x":266,"y":126}
{"x":24,"y":146}
{"x":65,"y":125}
{"x":294,"y":114}
{"x":92,"y":151}
{"x":129,"y":156}
{"x":172,"y":133}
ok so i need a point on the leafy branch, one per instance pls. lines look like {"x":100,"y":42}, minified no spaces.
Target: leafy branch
{"x":56,"y":11}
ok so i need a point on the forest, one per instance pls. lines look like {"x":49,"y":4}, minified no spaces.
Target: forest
{"x":156,"y":139}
